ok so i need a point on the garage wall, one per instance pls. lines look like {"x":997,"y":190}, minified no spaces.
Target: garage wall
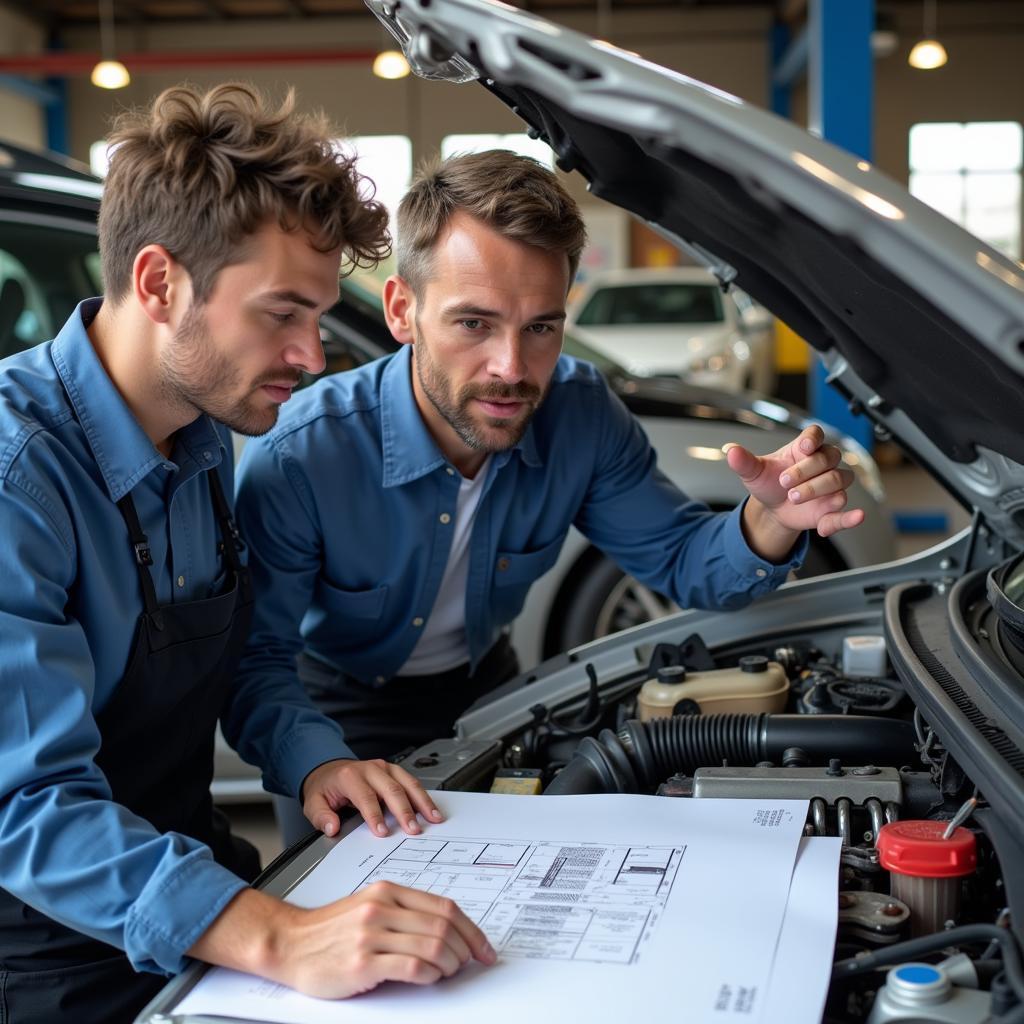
{"x":727,"y":50}
{"x":22,"y":120}
{"x":983,"y":81}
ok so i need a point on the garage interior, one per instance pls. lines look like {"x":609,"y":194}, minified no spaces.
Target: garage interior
{"x":838,"y":67}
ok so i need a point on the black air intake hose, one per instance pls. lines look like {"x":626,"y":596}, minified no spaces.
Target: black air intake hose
{"x":645,"y":753}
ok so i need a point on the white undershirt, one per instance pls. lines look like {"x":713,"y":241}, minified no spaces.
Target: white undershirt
{"x":443,"y":643}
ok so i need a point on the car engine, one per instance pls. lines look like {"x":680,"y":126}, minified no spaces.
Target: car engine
{"x":822,"y":713}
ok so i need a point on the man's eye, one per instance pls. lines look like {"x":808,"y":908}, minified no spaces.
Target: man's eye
{"x":282,"y":318}
{"x":472,"y":325}
{"x":541,"y":328}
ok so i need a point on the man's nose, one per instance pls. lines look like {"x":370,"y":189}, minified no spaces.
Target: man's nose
{"x":506,"y":359}
{"x":308,"y":353}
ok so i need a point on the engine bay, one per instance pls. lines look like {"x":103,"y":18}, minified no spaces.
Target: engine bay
{"x":868,"y":705}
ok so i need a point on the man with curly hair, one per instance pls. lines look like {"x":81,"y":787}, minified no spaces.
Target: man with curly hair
{"x":126,"y":597}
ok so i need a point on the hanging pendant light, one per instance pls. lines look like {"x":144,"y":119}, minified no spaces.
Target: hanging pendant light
{"x":109,"y":73}
{"x":390,"y":64}
{"x":928,"y":53}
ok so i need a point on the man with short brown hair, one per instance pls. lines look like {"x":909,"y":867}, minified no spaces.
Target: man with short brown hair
{"x":126,"y":598}
{"x":399,"y":514}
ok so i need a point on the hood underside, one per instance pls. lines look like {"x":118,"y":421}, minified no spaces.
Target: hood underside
{"x":919,"y":323}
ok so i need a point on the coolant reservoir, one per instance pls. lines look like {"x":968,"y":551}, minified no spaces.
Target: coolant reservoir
{"x":755,"y":685}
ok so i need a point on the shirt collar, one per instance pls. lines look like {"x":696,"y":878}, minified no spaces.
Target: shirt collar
{"x":409,"y":449}
{"x":122,"y":449}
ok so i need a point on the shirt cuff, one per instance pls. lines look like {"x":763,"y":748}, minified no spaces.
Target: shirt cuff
{"x":304,"y":749}
{"x":755,"y":572}
{"x":174,"y":910}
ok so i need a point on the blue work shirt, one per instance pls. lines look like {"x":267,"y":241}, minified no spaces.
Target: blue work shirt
{"x":69,"y":603}
{"x":348,"y":506}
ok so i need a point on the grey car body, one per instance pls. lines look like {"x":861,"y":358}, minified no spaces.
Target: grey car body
{"x":921,"y":326}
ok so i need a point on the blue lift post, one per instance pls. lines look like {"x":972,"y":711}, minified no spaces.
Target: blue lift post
{"x":834,"y":50}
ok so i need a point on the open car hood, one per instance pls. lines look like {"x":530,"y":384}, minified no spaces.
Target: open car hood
{"x":918,"y":322}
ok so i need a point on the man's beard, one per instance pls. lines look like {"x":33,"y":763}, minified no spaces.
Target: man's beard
{"x":193,"y":373}
{"x":500,"y":434}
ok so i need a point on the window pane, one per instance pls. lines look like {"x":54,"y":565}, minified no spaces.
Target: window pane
{"x":943,"y":192}
{"x":936,"y":147}
{"x":993,"y":210}
{"x":387,"y":161}
{"x":518,"y":142}
{"x":993,"y":146}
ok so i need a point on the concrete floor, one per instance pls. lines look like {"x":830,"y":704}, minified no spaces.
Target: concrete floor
{"x":908,"y":489}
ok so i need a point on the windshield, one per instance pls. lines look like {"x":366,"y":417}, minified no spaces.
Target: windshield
{"x":655,"y":303}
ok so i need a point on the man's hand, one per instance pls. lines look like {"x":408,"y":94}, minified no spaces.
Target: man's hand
{"x":384,"y":932}
{"x":364,"y":784}
{"x":799,"y":487}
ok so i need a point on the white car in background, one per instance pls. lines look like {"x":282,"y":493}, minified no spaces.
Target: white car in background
{"x":677,"y":322}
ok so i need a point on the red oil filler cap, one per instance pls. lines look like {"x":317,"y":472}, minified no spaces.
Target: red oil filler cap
{"x":916,"y":848}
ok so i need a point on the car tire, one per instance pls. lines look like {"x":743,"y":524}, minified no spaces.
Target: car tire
{"x":606,"y":600}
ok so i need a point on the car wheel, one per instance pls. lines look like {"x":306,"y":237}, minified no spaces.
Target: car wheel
{"x":606,"y":600}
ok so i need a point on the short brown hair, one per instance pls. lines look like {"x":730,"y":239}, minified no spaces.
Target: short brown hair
{"x":198,"y":172}
{"x":514,"y":195}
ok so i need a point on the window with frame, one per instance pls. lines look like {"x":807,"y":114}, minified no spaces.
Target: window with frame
{"x":972,"y":172}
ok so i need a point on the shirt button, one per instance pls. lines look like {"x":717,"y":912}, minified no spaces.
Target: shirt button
{"x":181,"y":581}
{"x":761,"y":573}
{"x":207,"y":456}
{"x":449,"y":471}
{"x":417,"y":622}
{"x":381,"y":679}
{"x":445,"y":518}
{"x":502,"y":564}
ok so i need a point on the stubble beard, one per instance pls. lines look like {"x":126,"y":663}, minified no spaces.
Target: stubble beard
{"x":454,"y":409}
{"x":194,"y":374}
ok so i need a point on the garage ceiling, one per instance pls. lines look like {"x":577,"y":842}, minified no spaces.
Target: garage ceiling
{"x":68,"y":13}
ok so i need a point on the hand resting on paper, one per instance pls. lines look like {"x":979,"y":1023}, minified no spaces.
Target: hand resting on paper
{"x":384,"y":932}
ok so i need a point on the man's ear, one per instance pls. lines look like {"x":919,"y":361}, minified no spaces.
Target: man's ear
{"x":160,"y":284}
{"x":399,"y":309}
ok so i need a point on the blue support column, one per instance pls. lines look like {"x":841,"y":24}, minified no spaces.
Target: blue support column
{"x":840,"y":109}
{"x":56,"y":111}
{"x":779,"y":82}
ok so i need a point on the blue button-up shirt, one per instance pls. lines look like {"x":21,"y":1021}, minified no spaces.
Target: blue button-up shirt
{"x":349,"y":505}
{"x":69,"y":602}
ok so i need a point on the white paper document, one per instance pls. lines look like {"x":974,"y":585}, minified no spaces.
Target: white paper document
{"x":803,"y":962}
{"x":600,"y":907}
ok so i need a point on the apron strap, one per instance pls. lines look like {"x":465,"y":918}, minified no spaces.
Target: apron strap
{"x":231,"y":544}
{"x":143,"y":557}
{"x":231,"y":539}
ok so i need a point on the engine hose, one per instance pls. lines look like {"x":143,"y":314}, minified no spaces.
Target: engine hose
{"x":645,"y":753}
{"x":914,"y":949}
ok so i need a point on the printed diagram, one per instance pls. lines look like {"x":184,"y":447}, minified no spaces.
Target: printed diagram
{"x":572,"y":901}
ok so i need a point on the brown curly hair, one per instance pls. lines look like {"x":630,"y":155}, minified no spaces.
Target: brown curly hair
{"x":198,"y":172}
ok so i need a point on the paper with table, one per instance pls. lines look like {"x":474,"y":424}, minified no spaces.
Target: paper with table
{"x":606,"y":906}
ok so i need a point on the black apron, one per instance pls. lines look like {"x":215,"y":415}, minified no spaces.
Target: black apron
{"x":157,"y":736}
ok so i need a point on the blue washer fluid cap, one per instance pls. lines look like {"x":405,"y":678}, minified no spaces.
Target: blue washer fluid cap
{"x":917,"y":984}
{"x":918,"y":974}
